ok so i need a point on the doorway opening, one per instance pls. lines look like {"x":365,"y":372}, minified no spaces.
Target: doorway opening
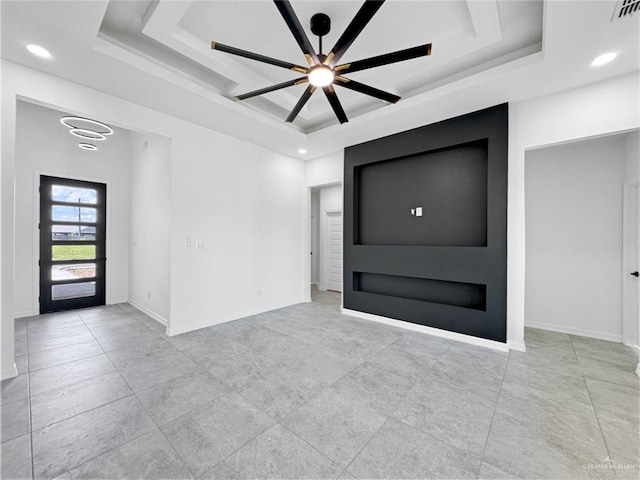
{"x":72,"y":244}
{"x":576,"y":235}
{"x":326,"y":244}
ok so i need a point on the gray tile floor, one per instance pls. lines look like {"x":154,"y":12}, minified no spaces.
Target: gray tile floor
{"x":305,"y":392}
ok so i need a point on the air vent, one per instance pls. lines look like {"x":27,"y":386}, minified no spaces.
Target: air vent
{"x":625,"y":8}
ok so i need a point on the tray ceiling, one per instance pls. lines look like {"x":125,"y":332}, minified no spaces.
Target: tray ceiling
{"x":157,"y":54}
{"x":468,"y":37}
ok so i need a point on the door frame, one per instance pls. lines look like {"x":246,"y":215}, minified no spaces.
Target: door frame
{"x":630,"y":256}
{"x":307,"y":238}
{"x":37,"y":173}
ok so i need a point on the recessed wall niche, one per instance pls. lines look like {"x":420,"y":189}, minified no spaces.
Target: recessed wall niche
{"x":448,"y":185}
{"x":425,"y":225}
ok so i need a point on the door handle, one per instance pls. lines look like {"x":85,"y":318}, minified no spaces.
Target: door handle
{"x":635,"y":274}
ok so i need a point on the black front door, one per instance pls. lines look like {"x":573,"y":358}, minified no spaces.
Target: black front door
{"x":72,"y":244}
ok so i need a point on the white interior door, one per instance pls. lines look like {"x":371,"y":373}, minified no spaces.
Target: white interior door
{"x":334,"y":251}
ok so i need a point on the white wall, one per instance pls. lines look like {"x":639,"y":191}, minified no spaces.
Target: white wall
{"x":149,"y":245}
{"x":244,"y":203}
{"x":44,"y":146}
{"x":325,"y":170}
{"x":632,"y":158}
{"x":246,"y":206}
{"x":573,"y":208}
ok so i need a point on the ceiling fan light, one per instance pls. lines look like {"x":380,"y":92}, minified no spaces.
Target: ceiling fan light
{"x":321,"y":76}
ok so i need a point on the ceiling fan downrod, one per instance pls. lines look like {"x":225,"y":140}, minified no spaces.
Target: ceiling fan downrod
{"x":320,"y":26}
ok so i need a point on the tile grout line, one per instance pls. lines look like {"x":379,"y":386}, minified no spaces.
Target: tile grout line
{"x":95,"y":408}
{"x":279,"y":422}
{"x":593,"y":406}
{"x":66,"y":362}
{"x":99,"y":406}
{"x":159,"y":427}
{"x":390,"y":415}
{"x":77,"y":360}
{"x":438,"y":360}
{"x":310,"y":445}
{"x":89,"y":329}
{"x":495,"y":409}
{"x":29,"y":401}
{"x":461,"y":450}
{"x":141,"y":404}
{"x":241,"y":446}
{"x":145,"y":409}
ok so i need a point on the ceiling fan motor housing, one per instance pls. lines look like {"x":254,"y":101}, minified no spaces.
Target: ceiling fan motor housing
{"x":320,"y":24}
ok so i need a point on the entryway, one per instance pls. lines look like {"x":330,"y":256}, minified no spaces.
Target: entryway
{"x":581,"y":238}
{"x":72,"y":244}
{"x":326,"y":243}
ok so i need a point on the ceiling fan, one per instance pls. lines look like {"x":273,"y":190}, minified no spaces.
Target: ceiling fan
{"x":323,"y":70}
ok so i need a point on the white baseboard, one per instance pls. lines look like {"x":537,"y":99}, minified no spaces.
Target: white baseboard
{"x":177,"y":330}
{"x":517,"y":346}
{"x":23,"y":314}
{"x":113,"y":301}
{"x":458,"y":337}
{"x":579,"y":332}
{"x":9,"y":372}
{"x":158,"y":318}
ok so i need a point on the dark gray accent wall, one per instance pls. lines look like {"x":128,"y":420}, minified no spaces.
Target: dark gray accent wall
{"x":425,"y":225}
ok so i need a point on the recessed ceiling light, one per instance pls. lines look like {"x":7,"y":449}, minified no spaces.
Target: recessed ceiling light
{"x":604,"y":59}
{"x":302,"y":151}
{"x":38,"y":51}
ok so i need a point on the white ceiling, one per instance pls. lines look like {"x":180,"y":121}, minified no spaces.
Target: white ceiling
{"x":157,"y":54}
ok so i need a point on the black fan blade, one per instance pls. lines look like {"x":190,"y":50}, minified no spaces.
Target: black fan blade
{"x":256,"y":56}
{"x":366,"y":89}
{"x":272,"y":88}
{"x":286,"y":10}
{"x":335,"y":104}
{"x":364,"y":15}
{"x":304,"y":99}
{"x":387,"y":58}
